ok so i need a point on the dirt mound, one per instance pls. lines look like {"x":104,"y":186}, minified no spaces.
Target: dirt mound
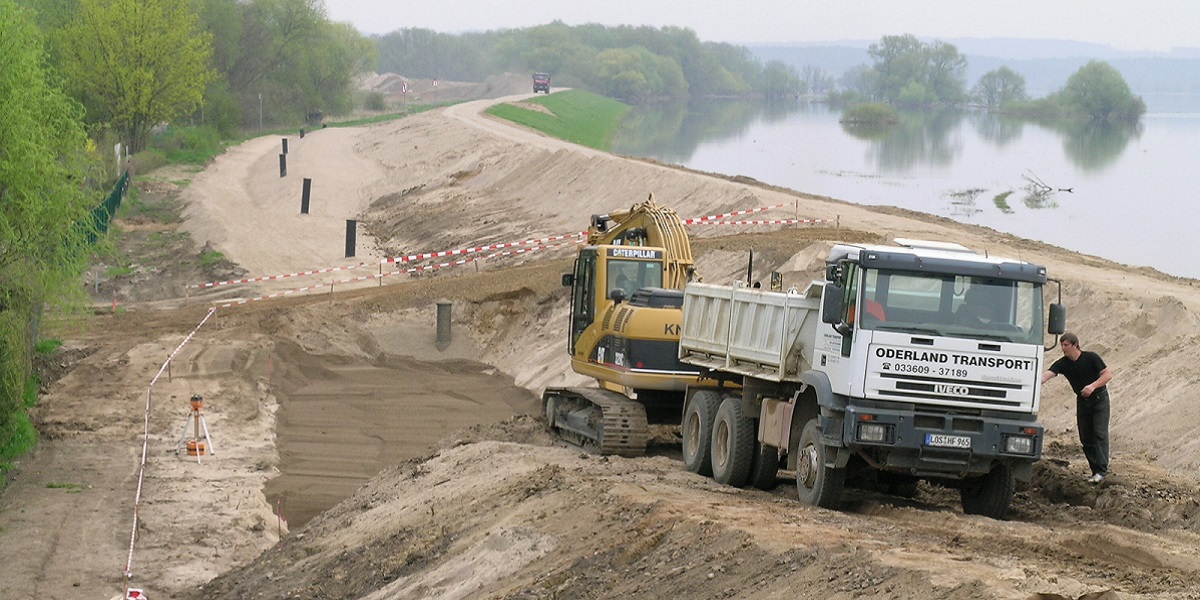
{"x":485,"y":517}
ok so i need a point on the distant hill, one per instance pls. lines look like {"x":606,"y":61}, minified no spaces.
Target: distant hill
{"x":1045,"y":64}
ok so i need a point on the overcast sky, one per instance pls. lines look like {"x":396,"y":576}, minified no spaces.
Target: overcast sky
{"x":1123,"y":24}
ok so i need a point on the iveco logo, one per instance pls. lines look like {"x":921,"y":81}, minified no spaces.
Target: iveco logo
{"x":952,"y":390}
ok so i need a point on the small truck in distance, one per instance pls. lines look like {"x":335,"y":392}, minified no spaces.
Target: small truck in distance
{"x":541,"y":82}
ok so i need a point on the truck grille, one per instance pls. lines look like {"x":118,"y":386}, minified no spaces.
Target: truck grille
{"x":919,"y":387}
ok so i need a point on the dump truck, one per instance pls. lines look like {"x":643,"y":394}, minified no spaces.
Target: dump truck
{"x":918,"y":361}
{"x":541,"y":82}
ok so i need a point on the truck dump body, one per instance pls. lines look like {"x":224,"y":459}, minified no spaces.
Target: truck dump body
{"x":751,"y":332}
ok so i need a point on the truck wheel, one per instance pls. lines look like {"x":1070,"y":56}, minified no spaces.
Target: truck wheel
{"x":697,"y":431}
{"x":989,"y":495}
{"x":765,"y":466}
{"x":732,"y":444}
{"x":816,"y":483}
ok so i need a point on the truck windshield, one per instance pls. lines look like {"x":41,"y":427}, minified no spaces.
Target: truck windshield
{"x":952,"y":305}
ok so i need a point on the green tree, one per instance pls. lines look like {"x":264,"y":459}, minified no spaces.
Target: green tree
{"x":816,"y":80}
{"x":998,"y":87}
{"x":1099,"y":91}
{"x":907,"y":71}
{"x":44,"y":202}
{"x":136,"y":63}
{"x":781,"y":81}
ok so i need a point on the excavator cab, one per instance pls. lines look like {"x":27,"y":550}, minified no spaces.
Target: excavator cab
{"x":616,"y":272}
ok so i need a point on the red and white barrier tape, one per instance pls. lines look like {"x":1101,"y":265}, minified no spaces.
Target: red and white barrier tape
{"x":738,"y":213}
{"x":273,"y":277}
{"x":137,"y":498}
{"x":413,"y":257}
{"x":772,"y":222}
{"x":462,"y":251}
{"x":461,"y":261}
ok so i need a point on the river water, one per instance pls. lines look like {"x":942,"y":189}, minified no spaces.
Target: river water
{"x":1127,"y":193}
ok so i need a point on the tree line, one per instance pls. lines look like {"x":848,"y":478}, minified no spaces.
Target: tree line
{"x":231,"y":64}
{"x":630,"y":63}
{"x":907,"y":72}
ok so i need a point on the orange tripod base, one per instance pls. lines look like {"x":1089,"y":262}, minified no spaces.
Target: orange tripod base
{"x":195,"y":448}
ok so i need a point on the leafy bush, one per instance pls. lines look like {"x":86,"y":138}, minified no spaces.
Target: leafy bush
{"x":870,"y":113}
{"x":210,"y":258}
{"x":189,"y":145}
{"x":148,"y":160}
{"x":375,"y":101}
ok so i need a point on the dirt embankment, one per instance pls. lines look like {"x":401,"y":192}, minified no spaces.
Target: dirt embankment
{"x":309,"y":395}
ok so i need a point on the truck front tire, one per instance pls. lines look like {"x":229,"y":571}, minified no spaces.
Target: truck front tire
{"x":989,"y":495}
{"x":697,"y":431}
{"x":732,"y":444}
{"x":816,"y":483}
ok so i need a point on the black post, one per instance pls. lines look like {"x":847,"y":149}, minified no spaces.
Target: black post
{"x":301,"y":133}
{"x":350,"y":230}
{"x":285,"y":145}
{"x":443,"y":324}
{"x":283,"y":165}
{"x":304,"y":197}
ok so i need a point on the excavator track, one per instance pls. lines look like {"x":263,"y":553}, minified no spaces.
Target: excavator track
{"x":600,"y":421}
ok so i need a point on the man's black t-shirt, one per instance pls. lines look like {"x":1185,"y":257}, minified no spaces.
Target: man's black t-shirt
{"x":1082,"y":371}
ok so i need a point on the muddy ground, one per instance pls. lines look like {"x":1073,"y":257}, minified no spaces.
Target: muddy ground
{"x":356,"y":457}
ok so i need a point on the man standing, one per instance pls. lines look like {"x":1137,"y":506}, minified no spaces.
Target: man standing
{"x":1089,"y":377}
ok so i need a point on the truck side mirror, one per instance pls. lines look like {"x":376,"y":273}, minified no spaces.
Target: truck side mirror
{"x":831,"y":304}
{"x":568,"y":279}
{"x":1058,"y":319}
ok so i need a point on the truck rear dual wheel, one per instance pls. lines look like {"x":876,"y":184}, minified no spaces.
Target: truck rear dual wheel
{"x":816,"y":483}
{"x":732,"y":444}
{"x":989,"y":495}
{"x":697,"y":431}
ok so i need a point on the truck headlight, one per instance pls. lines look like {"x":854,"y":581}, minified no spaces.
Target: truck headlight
{"x":1018,"y":444}
{"x":873,"y":432}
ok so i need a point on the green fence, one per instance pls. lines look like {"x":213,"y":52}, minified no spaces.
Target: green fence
{"x":103,"y":215}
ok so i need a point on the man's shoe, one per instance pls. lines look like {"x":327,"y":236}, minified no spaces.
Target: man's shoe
{"x":1097,"y":478}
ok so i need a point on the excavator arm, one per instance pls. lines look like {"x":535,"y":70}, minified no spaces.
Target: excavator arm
{"x":648,"y":224}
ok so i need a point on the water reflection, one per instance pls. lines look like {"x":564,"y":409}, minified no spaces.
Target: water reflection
{"x":671,"y":131}
{"x":938,"y":161}
{"x":1001,"y":130}
{"x":918,"y":138}
{"x":1095,"y":145}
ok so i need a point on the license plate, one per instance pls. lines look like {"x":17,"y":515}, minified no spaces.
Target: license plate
{"x":947,"y":441}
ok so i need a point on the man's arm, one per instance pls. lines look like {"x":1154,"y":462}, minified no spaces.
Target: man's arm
{"x":1047,"y":375}
{"x":1105,"y":377}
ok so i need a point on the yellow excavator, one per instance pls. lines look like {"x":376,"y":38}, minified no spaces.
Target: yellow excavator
{"x":626,"y":301}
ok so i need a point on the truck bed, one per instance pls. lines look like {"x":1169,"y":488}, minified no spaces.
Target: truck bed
{"x":751,"y":332}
